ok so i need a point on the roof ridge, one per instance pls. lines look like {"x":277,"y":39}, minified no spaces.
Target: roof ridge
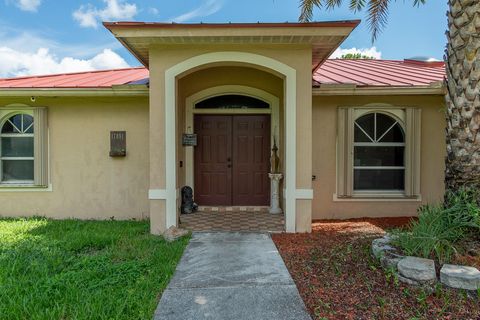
{"x":70,"y":73}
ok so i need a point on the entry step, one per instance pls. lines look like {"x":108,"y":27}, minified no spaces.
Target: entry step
{"x":233,"y":208}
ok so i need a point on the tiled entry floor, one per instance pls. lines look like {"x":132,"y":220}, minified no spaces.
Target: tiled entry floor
{"x":236,"y":220}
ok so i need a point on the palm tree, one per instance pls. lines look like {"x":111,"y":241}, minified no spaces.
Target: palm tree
{"x":463,"y":79}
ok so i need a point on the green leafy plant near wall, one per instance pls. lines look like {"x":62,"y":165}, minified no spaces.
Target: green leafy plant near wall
{"x":440,"y":228}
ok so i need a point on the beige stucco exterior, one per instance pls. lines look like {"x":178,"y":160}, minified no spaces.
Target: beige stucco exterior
{"x":85,"y":182}
{"x":325,"y":206}
{"x":162,"y":58}
{"x":88,"y":184}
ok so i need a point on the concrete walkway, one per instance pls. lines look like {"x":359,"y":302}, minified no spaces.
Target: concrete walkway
{"x":231,"y":276}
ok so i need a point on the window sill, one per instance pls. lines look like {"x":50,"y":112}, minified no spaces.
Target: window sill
{"x":377,"y":198}
{"x":24,"y":188}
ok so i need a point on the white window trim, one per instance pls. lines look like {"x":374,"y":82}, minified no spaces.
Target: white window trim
{"x":3,"y":121}
{"x":409,"y":119}
{"x":41,"y":155}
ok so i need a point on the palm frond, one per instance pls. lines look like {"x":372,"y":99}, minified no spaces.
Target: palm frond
{"x":377,"y":16}
{"x":356,"y":5}
{"x":377,"y":11}
{"x":331,"y":4}
{"x":306,"y":8}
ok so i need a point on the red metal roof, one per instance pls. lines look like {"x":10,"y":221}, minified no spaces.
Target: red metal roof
{"x":336,"y":71}
{"x":89,"y":79}
{"x":379,"y":72}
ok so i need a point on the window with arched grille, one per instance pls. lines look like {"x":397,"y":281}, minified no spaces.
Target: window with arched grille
{"x":23,"y":146}
{"x":379,"y":153}
{"x":17,"y":149}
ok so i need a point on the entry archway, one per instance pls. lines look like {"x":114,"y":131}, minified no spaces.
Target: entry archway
{"x":262,"y":62}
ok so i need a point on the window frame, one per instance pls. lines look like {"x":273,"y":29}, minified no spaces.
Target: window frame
{"x":398,"y":119}
{"x":41,"y":169}
{"x":16,"y":135}
{"x":410,"y":120}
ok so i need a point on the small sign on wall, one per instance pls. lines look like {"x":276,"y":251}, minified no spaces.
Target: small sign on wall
{"x":118,"y":143}
{"x":189,"y":139}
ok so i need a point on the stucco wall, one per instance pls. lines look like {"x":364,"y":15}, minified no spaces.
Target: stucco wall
{"x":324,"y":158}
{"x":163,"y":57}
{"x":86,"y":182}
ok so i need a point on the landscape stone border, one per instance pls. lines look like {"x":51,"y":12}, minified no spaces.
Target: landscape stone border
{"x":420,"y":271}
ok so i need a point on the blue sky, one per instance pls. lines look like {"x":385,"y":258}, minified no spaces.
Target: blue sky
{"x":49,"y":36}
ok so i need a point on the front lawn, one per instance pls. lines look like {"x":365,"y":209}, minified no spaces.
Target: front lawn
{"x":338,"y":279}
{"x":82,"y":269}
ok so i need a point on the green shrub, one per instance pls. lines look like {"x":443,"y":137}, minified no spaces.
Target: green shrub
{"x":439,"y":228}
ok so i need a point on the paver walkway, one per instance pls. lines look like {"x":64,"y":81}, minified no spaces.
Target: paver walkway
{"x":231,"y":276}
{"x":233,"y":221}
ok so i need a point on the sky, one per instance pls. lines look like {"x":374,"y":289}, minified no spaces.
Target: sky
{"x":57,"y":36}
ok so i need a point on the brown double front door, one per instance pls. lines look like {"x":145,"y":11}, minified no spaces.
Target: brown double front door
{"x":232,"y":160}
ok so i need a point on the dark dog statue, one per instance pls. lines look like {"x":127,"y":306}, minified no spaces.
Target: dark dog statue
{"x":188,"y":206}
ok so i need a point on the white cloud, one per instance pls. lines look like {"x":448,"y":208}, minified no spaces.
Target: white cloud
{"x":207,"y":8}
{"x":153,"y":11}
{"x":15,"y":63}
{"x":31,"y":41}
{"x":28,"y":5}
{"x":369,"y":52}
{"x":90,"y":16}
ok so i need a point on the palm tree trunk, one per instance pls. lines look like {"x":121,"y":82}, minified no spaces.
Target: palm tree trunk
{"x":463,"y":96}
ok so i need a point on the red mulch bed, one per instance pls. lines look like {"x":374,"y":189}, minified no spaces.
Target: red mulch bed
{"x":338,"y":279}
{"x":469,"y":252}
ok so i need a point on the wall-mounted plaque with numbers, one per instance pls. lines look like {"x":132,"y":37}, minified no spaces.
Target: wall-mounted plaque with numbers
{"x":118,"y":143}
{"x":189,"y":139}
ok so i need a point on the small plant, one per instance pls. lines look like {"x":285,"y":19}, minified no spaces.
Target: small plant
{"x":422,"y":298}
{"x":391,"y":274}
{"x":439,"y":228}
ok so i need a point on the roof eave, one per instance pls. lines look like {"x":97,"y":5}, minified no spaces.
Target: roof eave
{"x":115,"y":91}
{"x":353,"y":90}
{"x":283,"y":33}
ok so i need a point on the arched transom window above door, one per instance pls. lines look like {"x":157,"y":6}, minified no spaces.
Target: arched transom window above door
{"x":232,"y":101}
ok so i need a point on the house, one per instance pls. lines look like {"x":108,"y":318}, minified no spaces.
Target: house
{"x":356,"y":138}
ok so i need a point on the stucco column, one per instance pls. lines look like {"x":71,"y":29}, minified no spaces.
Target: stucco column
{"x":157,"y":192}
{"x":304,"y":192}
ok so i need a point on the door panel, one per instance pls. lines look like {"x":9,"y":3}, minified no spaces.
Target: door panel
{"x":213,"y":173}
{"x":232,"y":160}
{"x":251,"y":160}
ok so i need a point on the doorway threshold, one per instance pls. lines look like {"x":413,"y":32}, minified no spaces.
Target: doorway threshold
{"x":262,"y":209}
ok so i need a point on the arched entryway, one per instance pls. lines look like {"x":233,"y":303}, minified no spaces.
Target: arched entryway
{"x":248,"y":59}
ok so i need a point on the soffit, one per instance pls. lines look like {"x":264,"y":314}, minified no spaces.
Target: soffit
{"x":323,"y":37}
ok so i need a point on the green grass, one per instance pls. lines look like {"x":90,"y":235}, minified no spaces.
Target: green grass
{"x":73,"y":269}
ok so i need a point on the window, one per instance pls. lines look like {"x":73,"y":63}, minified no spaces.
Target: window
{"x":232,"y":101}
{"x":23,"y":147}
{"x":378,"y":152}
{"x":17,"y":150}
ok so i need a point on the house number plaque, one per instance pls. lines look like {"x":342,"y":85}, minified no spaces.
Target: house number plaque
{"x":118,"y":143}
{"x":189,"y":139}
